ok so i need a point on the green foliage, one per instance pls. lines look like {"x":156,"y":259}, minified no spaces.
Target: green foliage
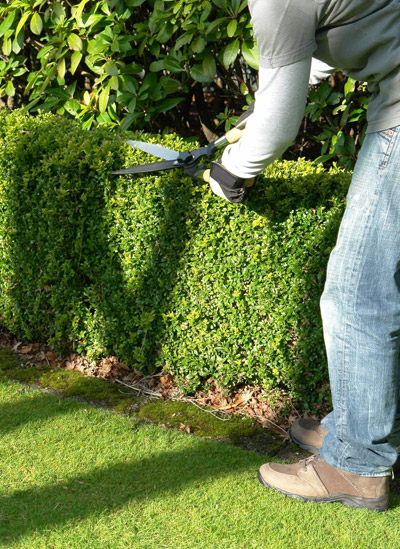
{"x":122,"y":63}
{"x":156,"y":269}
{"x":153,"y":64}
{"x":341,"y":114}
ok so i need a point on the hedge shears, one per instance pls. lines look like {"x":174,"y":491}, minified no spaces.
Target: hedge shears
{"x":189,"y":161}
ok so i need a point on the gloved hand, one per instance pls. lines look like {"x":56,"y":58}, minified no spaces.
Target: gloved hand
{"x":228,"y":186}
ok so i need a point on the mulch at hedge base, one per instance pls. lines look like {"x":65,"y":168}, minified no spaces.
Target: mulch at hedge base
{"x":247,"y":401}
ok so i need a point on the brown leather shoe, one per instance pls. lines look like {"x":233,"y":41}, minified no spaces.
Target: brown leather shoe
{"x":313,"y":479}
{"x":308,"y":434}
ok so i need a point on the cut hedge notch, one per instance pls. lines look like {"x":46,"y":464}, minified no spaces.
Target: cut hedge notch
{"x":156,"y":269}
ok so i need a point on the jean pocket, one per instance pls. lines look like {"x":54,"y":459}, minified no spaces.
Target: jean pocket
{"x":387,"y":134}
{"x":388,"y":140}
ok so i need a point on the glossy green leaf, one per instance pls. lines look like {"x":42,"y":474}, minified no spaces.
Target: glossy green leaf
{"x":198,"y":45}
{"x":36,"y":24}
{"x":170,"y":85}
{"x":9,"y":89}
{"x":58,"y":12}
{"x":251,"y":55}
{"x":114,"y":83}
{"x":7,"y":46}
{"x":231,"y":28}
{"x":76,"y":58}
{"x":80,"y":8}
{"x":111,"y":68}
{"x":165,"y":34}
{"x":130,"y":84}
{"x":168,"y":104}
{"x":157,"y":66}
{"x":25,"y":16}
{"x":103,"y":99}
{"x":205,"y":71}
{"x":230,"y":53}
{"x":61,"y":68}
{"x":75,"y":42}
{"x":18,"y":42}
{"x":172,"y":65}
{"x":8,"y":22}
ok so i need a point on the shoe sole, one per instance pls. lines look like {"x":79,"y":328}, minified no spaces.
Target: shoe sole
{"x":372,"y":504}
{"x":308,"y":447}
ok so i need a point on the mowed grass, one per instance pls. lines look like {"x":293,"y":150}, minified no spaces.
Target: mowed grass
{"x":75,"y":476}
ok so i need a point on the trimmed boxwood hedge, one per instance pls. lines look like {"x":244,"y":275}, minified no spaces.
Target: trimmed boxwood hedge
{"x":157,"y":270}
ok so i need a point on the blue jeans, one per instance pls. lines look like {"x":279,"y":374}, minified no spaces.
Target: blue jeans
{"x":360,"y":309}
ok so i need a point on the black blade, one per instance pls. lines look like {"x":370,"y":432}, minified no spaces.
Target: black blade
{"x":153,"y":167}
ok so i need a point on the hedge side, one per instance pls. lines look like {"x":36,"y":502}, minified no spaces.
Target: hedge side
{"x":158,"y":271}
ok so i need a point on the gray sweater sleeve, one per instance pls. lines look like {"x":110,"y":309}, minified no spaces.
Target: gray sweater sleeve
{"x":279,"y":107}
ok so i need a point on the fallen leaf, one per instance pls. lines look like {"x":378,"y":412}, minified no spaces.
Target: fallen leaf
{"x":25,"y":349}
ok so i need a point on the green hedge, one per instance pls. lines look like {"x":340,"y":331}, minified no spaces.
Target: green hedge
{"x":156,"y":269}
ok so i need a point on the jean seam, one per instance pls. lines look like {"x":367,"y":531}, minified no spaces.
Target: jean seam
{"x":349,"y":289}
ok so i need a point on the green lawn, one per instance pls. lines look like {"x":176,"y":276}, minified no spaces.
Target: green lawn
{"x":75,"y":476}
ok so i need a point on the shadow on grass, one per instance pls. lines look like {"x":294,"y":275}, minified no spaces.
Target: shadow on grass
{"x":111,"y":488}
{"x":115,"y":486}
{"x":101,"y":490}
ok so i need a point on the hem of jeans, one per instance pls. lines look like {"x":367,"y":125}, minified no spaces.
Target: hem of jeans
{"x":330,"y":462}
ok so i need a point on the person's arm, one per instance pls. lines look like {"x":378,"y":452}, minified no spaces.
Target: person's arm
{"x":279,"y":109}
{"x":319,"y":71}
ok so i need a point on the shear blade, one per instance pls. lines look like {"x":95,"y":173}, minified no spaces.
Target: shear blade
{"x":155,"y":150}
{"x":147,"y":168}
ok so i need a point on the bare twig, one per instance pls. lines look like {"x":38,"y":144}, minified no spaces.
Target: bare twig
{"x":209,"y":411}
{"x":154,"y":394}
{"x":262,"y":418}
{"x":140,"y":388}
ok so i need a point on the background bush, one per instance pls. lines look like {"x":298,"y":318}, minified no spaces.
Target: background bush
{"x":125,"y":63}
{"x":156,"y":269}
{"x":157,"y":65}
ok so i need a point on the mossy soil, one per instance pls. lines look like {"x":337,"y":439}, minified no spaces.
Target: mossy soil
{"x":185,"y":416}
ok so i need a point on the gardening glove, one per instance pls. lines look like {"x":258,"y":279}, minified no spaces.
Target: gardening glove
{"x":228,"y":186}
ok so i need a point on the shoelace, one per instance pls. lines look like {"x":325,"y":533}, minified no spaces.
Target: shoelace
{"x":312,"y":459}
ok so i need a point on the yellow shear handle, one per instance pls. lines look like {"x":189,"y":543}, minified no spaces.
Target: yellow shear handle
{"x":231,"y":136}
{"x":204,"y":175}
{"x":234,"y":135}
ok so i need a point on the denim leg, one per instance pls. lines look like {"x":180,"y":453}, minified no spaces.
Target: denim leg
{"x":360,"y":309}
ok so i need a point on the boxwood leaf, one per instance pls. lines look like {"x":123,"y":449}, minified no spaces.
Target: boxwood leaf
{"x":75,"y":42}
{"x":36,"y":24}
{"x":76,"y":58}
{"x":7,"y":23}
{"x":103,"y":98}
